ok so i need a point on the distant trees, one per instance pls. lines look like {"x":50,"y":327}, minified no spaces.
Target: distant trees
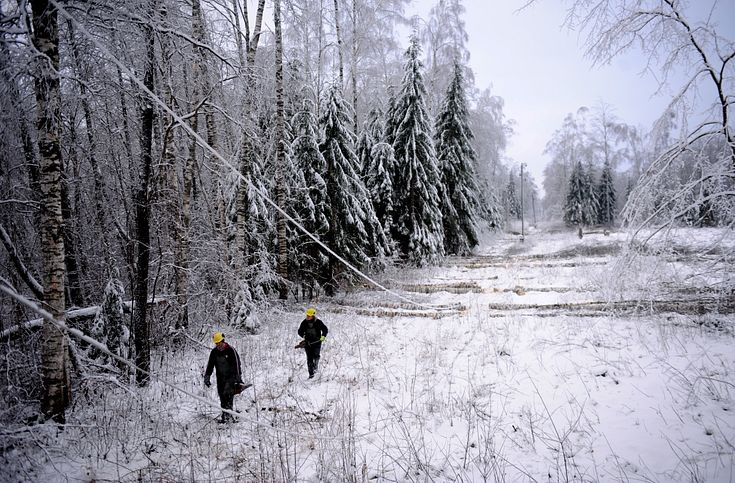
{"x":690,"y":173}
{"x":581,"y":207}
{"x":511,"y":200}
{"x":597,"y":138}
{"x":606,"y":198}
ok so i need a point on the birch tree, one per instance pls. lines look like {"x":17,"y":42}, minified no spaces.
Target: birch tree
{"x":444,"y":37}
{"x":248,"y":202}
{"x":566,"y":147}
{"x":54,"y":358}
{"x":280,"y":142}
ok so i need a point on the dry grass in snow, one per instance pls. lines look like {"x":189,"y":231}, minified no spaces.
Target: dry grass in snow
{"x":507,"y":381}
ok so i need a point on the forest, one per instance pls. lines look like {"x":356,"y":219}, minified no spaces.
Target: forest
{"x":168,"y":167}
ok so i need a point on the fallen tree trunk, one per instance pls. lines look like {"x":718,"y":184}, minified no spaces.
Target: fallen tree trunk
{"x":698,"y":306}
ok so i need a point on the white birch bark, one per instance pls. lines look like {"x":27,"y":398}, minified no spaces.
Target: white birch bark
{"x":54,"y":358}
{"x":280,"y":155}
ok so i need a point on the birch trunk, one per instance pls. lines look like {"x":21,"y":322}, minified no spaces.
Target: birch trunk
{"x":178,"y":202}
{"x":353,"y":76}
{"x":246,"y":148}
{"x":54,"y":358}
{"x":339,"y":45}
{"x":238,"y":34}
{"x":280,"y":157}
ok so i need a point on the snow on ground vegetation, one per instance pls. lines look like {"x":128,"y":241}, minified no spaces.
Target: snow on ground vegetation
{"x":554,"y":359}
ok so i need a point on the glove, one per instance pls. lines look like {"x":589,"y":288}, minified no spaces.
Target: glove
{"x":322,"y":338}
{"x":207,"y":382}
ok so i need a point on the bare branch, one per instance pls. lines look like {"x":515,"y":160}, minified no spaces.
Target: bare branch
{"x":23,"y":271}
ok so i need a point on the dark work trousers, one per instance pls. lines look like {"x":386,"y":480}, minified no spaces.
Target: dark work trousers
{"x":312,"y":356}
{"x":226,"y":391}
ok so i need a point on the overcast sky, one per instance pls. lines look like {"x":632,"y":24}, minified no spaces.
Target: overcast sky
{"x":538,"y":67}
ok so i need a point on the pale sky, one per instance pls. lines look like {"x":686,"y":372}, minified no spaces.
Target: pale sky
{"x":538,"y":67}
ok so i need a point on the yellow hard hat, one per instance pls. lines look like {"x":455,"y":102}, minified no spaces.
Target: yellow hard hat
{"x":311,"y":311}
{"x":218,"y":337}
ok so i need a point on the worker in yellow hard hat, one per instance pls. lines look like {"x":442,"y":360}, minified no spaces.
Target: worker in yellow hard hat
{"x":226,"y":362}
{"x":314,"y":332}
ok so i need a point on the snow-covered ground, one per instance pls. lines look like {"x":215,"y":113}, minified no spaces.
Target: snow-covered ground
{"x":548,"y":360}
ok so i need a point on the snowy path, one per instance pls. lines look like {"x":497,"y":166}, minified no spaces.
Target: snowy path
{"x":537,"y":372}
{"x":551,"y":360}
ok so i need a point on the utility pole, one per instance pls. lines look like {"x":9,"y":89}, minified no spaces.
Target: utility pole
{"x":522,"y":235}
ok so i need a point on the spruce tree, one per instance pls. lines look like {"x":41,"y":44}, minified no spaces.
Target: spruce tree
{"x":354,"y":230}
{"x":364,"y":145}
{"x":574,"y":201}
{"x":490,"y":207}
{"x":378,"y":181}
{"x":590,"y":208}
{"x":110,"y":327}
{"x":510,"y":198}
{"x":417,"y":219}
{"x":372,"y":133}
{"x":253,"y":263}
{"x":314,"y":209}
{"x":606,"y":197}
{"x":391,"y":120}
{"x":581,"y":205}
{"x":456,"y":160}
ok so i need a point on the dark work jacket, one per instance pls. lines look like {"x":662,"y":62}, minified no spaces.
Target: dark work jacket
{"x":227,"y":364}
{"x":312,"y":330}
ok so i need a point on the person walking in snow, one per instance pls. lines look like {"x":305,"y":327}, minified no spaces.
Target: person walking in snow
{"x":226,"y":362}
{"x":313,"y":331}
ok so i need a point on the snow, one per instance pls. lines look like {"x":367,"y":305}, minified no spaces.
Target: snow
{"x":495,"y":382}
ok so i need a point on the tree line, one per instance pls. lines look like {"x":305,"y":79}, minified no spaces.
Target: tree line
{"x":677,"y":172}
